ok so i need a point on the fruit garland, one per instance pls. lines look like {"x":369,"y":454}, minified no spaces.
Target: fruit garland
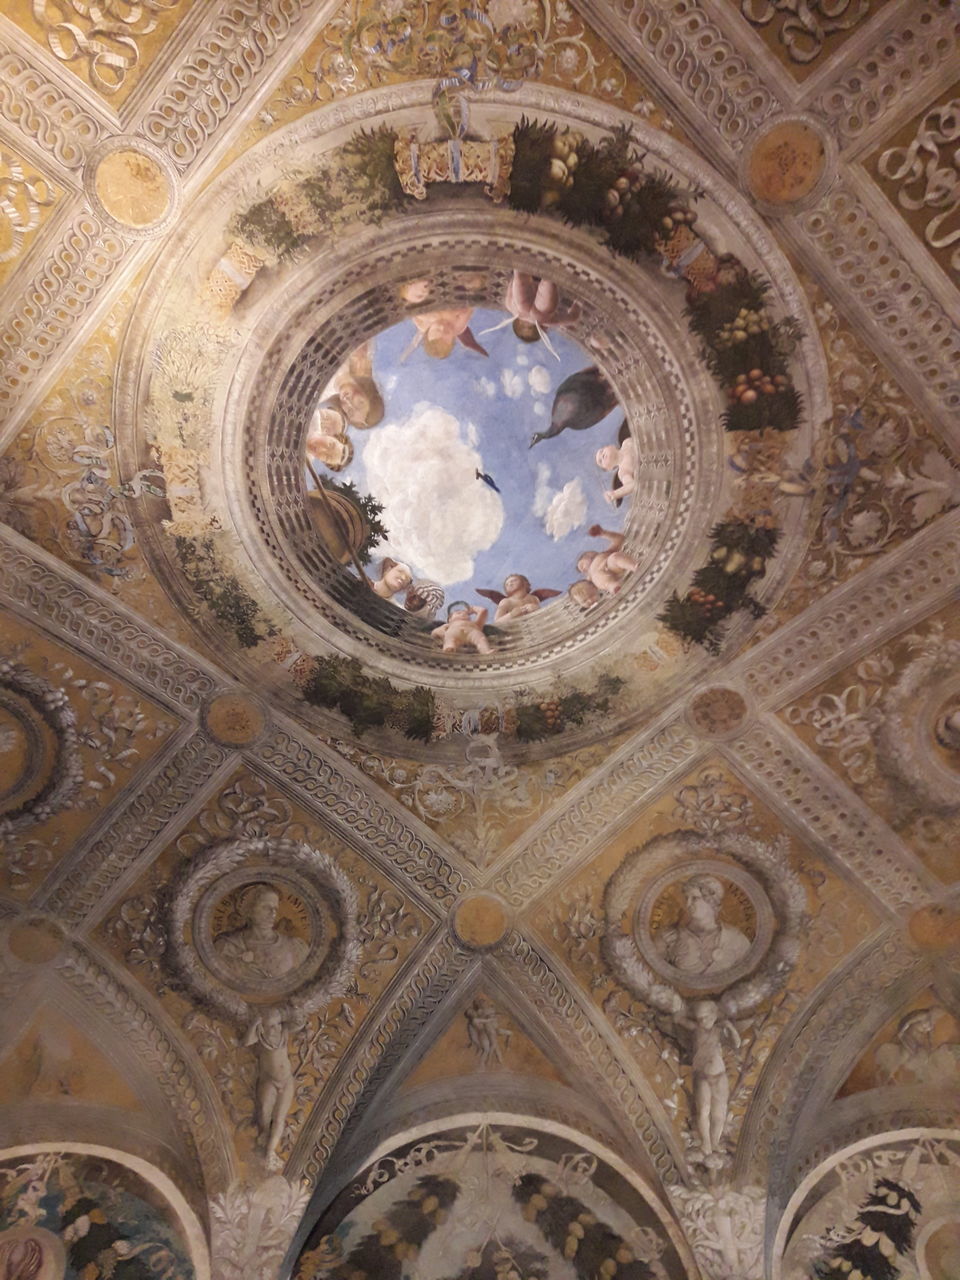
{"x":595,"y":1250}
{"x":504,"y":1260}
{"x":645,"y":214}
{"x":554,"y":714}
{"x":879,"y":1239}
{"x":400,"y":1234}
{"x":739,"y":550}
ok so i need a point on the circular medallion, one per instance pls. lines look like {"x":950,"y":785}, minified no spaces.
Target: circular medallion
{"x":946,"y":731}
{"x":36,"y":940}
{"x":718,"y":712}
{"x":233,"y":719}
{"x":265,"y":922}
{"x":787,"y":165}
{"x":918,"y":739}
{"x":480,"y":921}
{"x":39,"y":766}
{"x":688,"y":914}
{"x":133,"y":184}
{"x":704,"y":926}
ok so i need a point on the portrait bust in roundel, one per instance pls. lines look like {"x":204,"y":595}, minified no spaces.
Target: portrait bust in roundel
{"x":701,"y":943}
{"x":260,"y":950}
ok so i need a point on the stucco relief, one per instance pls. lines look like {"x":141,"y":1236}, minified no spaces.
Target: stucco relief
{"x":886,"y":726}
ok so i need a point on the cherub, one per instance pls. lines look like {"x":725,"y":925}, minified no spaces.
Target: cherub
{"x":620,"y":458}
{"x":439,"y":331}
{"x":394,"y":578}
{"x":517,"y":599}
{"x":534,"y":304}
{"x":710,"y":1084}
{"x":606,"y":569}
{"x":463,"y":629}
{"x":267,"y":1037}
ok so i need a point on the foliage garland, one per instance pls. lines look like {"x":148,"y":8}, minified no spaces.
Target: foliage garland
{"x":878,"y":1240}
{"x":595,"y":1250}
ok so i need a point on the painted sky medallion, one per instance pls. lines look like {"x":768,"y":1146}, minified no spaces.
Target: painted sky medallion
{"x":472,"y":466}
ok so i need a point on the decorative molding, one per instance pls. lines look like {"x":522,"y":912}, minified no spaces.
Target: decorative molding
{"x":44,"y":590}
{"x":698,"y":68}
{"x":595,"y":807}
{"x":42,"y":108}
{"x":886,"y":597}
{"x":94,"y":873}
{"x":560,"y":1004}
{"x":833,"y":1011}
{"x":927,"y":166}
{"x":189,"y":1093}
{"x":231,"y":63}
{"x":62,"y":292}
{"x":338,"y":792}
{"x":390,"y":1029}
{"x":809,"y":795}
{"x":860,"y":260}
{"x":892,"y":71}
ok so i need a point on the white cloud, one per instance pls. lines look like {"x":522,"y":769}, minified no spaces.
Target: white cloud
{"x":438,"y":514}
{"x":567,"y":510}
{"x":523,"y":358}
{"x":486,"y":386}
{"x":540,"y":409}
{"x":390,"y":384}
{"x":472,"y":436}
{"x":539,"y":380}
{"x":542,"y":493}
{"x":512,"y":383}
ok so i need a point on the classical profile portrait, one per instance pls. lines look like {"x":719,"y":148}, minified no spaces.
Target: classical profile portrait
{"x":701,"y":943}
{"x":259,"y":949}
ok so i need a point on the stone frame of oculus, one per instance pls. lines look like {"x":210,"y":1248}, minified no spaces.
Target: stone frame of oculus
{"x":260,"y":923}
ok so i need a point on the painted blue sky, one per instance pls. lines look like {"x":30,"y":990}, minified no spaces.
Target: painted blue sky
{"x":446,"y":418}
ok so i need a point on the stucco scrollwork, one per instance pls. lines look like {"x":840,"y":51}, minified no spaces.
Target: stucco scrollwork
{"x":805,"y":24}
{"x":265,"y":921}
{"x":928,"y":174}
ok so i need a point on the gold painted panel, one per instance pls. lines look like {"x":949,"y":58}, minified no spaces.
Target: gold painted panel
{"x":878,"y":473}
{"x":920,"y":1046}
{"x":61,"y":484}
{"x":117,"y":732}
{"x":138,"y":933}
{"x":879,"y":723}
{"x":482,"y":805}
{"x":712,"y":803}
{"x":803,"y":34}
{"x":481,"y":1038}
{"x":370,"y":44}
{"x":109,"y":45}
{"x":54,"y":1060}
{"x":27,"y":199}
{"x":918,"y":170}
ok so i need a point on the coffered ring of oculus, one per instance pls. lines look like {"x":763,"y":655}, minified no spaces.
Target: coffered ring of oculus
{"x":234,"y":343}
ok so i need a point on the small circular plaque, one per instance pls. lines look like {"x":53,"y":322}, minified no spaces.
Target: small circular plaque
{"x":132,"y":188}
{"x":480,"y":921}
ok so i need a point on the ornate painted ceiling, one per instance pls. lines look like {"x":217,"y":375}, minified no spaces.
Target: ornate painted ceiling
{"x":480,"y":664}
